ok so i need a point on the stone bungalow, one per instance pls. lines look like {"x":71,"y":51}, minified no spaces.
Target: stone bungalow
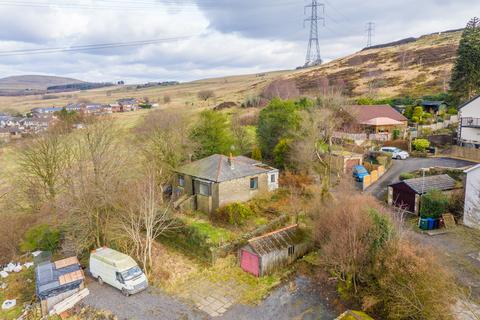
{"x":218,"y":180}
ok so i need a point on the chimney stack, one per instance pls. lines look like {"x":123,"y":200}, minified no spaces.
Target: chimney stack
{"x":230,"y":161}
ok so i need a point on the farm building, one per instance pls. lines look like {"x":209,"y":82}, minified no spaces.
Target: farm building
{"x":59,"y":284}
{"x":407,"y":194}
{"x":263,"y":255}
{"x":218,"y":180}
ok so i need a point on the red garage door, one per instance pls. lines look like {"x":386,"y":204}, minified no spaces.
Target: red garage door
{"x":249,"y":262}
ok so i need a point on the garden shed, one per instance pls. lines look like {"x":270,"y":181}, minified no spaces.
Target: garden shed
{"x":263,"y":255}
{"x":407,"y":194}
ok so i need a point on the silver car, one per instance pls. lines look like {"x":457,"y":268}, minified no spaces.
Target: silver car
{"x":398,"y":154}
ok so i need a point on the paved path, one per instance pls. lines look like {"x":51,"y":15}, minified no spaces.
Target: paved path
{"x":379,"y":189}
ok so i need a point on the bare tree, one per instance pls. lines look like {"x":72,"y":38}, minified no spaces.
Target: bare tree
{"x":243,"y":140}
{"x":43,"y":162}
{"x":146,"y":218}
{"x":206,"y":94}
{"x":167,"y":99}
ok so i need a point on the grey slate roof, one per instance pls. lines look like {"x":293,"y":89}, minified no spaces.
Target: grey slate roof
{"x":217,"y":168}
{"x":440,"y":182}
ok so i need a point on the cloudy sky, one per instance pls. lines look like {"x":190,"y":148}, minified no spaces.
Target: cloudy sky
{"x":200,"y":38}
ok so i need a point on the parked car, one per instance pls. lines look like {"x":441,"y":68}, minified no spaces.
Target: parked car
{"x":359,"y":172}
{"x":118,"y":270}
{"x":397,"y":153}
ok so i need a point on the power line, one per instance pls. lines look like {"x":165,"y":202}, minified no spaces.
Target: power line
{"x":89,"y":47}
{"x":313,"y":51}
{"x":370,"y":33}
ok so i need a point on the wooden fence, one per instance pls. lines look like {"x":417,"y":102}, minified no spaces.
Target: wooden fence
{"x":373,"y":177}
{"x":464,"y":153}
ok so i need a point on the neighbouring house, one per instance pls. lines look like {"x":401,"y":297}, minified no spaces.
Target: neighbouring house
{"x":376,"y":120}
{"x":45,"y":112}
{"x":10,"y":133}
{"x":59,"y":284}
{"x":469,"y":130}
{"x":407,"y":194}
{"x":344,"y":161}
{"x":434,"y":107}
{"x":265,"y":254}
{"x":218,"y":180}
{"x":471,"y":213}
{"x":128,"y":104}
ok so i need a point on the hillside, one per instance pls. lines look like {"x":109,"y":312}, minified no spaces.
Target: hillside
{"x":414,"y":67}
{"x":34,"y":83}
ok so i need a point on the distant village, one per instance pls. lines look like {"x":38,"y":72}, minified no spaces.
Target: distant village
{"x":41,"y":119}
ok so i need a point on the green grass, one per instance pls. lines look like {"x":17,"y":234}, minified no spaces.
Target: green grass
{"x":214,"y":235}
{"x":20,"y":286}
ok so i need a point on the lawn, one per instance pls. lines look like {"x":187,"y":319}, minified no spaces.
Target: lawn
{"x":20,"y":286}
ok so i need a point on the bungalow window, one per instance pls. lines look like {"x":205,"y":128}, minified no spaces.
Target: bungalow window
{"x":291,"y":251}
{"x":272,"y":178}
{"x":254,"y":183}
{"x":204,"y":189}
{"x":181,"y":181}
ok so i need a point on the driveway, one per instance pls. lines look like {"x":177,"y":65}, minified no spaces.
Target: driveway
{"x":379,"y":189}
{"x":304,"y":302}
{"x":147,"y":305}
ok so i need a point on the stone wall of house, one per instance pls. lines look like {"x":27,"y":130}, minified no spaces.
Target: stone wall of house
{"x":238,"y":190}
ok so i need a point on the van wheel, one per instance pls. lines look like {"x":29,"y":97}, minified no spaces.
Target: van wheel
{"x":100,"y":281}
{"x":125,"y":292}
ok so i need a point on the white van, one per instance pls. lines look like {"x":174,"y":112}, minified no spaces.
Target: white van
{"x":118,"y":270}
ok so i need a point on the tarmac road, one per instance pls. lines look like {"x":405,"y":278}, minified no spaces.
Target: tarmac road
{"x":379,"y":189}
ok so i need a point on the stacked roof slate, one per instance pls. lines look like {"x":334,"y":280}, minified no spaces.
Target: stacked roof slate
{"x":55,"y":278}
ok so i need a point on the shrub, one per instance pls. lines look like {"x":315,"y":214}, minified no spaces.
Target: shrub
{"x":41,"y":237}
{"x":406,"y":176}
{"x":396,"y":134}
{"x":433,"y":204}
{"x":205,"y":94}
{"x":281,"y":151}
{"x":235,"y":213}
{"x":420,"y":144}
{"x":257,"y":154}
{"x":452,"y":111}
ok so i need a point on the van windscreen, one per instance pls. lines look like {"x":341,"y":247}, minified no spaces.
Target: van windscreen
{"x":131,"y":273}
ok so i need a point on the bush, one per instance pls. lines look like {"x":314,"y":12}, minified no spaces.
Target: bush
{"x":396,"y":134}
{"x":421,"y":144}
{"x":41,"y":237}
{"x":433,"y":204}
{"x":280,"y":152}
{"x":452,"y":111}
{"x":205,"y":95}
{"x":406,"y":176}
{"x":235,"y":213}
{"x":257,"y":154}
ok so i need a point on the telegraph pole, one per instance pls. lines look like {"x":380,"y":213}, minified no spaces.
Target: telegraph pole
{"x":370,"y":33}
{"x":313,"y":52}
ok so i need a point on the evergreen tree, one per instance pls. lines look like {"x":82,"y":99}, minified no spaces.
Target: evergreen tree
{"x":212,"y":133}
{"x":465,"y":83}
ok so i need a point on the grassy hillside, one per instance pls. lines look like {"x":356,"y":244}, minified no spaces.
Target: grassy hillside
{"x":34,"y":82}
{"x":416,"y":67}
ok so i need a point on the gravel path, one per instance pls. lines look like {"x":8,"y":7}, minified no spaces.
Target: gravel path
{"x":379,"y":189}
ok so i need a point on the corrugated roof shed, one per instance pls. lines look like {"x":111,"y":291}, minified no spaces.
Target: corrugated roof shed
{"x":423,"y":185}
{"x":277,"y":240}
{"x":217,"y":168}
